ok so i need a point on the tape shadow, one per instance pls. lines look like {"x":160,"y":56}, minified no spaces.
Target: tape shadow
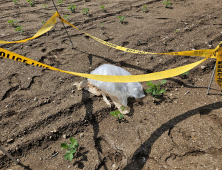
{"x":119,"y":63}
{"x":145,"y":149}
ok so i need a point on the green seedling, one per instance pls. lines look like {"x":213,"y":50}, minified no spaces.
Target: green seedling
{"x":66,"y":16}
{"x":13,"y":22}
{"x":177,"y":30}
{"x":145,"y":8}
{"x":186,"y":73}
{"x":102,"y":25}
{"x":117,"y":113}
{"x":59,"y":2}
{"x":121,"y":18}
{"x":19,"y":29}
{"x":72,"y":148}
{"x":102,"y":8}
{"x":31,"y":3}
{"x":45,"y":6}
{"x":86,"y":11}
{"x":43,"y":22}
{"x":155,"y":89}
{"x":72,"y":7}
{"x":15,"y":1}
{"x":167,"y":3}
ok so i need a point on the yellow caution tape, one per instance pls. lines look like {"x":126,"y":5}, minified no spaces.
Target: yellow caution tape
{"x":218,"y":74}
{"x":46,"y":27}
{"x":208,"y":53}
{"x":51,"y":22}
{"x":118,"y":79}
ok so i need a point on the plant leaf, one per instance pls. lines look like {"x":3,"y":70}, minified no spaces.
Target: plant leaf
{"x":112,"y":113}
{"x":122,"y":107}
{"x":75,"y":143}
{"x":149,"y":90}
{"x":69,"y":156}
{"x":117,"y":112}
{"x":67,"y":152}
{"x":163,"y":82}
{"x":121,"y":116}
{"x":64,"y":145}
{"x":72,"y":151}
{"x":162,"y":91}
{"x":72,"y":139}
{"x":149,"y":83}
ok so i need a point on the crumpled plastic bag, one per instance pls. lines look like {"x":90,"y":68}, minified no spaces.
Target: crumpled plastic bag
{"x":120,"y":90}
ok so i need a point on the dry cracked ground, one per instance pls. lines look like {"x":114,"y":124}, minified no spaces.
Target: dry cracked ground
{"x":40,"y":109}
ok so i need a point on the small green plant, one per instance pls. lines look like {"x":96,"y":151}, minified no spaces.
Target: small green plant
{"x":59,"y":2}
{"x":45,"y":6}
{"x":177,"y":30}
{"x":102,"y":25}
{"x":121,"y":18}
{"x":13,"y":22}
{"x":155,"y":89}
{"x":167,"y":3}
{"x":15,"y":1}
{"x":31,"y":3}
{"x":19,"y":29}
{"x":85,"y":11}
{"x":72,"y":7}
{"x":102,"y":8}
{"x":184,"y":75}
{"x":145,"y":8}
{"x":117,"y":113}
{"x":66,"y":16}
{"x":43,"y":22}
{"x":72,"y":148}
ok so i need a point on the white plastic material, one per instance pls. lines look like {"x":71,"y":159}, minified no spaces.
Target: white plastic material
{"x":121,"y":90}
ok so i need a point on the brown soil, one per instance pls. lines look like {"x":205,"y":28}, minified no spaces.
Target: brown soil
{"x":39,"y":107}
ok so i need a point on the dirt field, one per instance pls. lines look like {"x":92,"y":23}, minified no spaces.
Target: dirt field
{"x":40,"y":109}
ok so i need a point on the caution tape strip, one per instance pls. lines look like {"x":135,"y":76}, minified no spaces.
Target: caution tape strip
{"x":218,"y":74}
{"x":52,"y":21}
{"x":118,"y":79}
{"x":208,"y":53}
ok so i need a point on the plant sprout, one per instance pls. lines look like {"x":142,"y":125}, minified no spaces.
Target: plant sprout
{"x":117,"y":113}
{"x":72,"y":148}
{"x":86,"y":11}
{"x":102,"y":8}
{"x":167,"y":3}
{"x":177,"y":30}
{"x":121,"y":18}
{"x":13,"y":22}
{"x":31,"y":3}
{"x":59,"y":2}
{"x":66,"y":16}
{"x":102,"y":25}
{"x":145,"y":8}
{"x":15,"y":1}
{"x":72,"y":7}
{"x":45,"y":6}
{"x":19,"y":29}
{"x":155,"y":89}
